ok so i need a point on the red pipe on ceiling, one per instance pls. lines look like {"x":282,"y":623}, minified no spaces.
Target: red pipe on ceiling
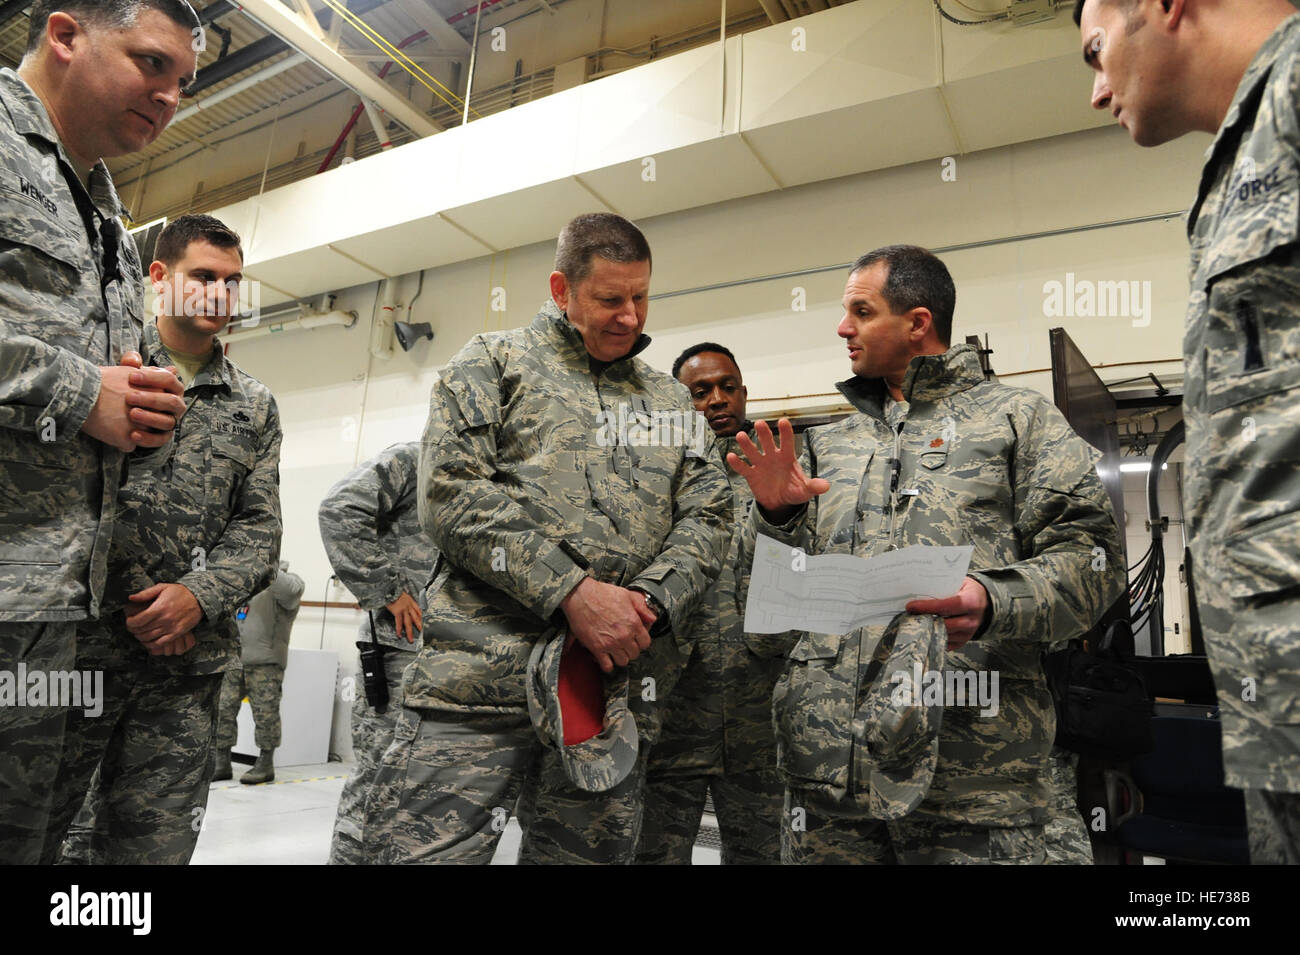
{"x":356,"y":113}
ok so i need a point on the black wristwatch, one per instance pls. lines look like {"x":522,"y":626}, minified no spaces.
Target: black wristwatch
{"x":661,"y":615}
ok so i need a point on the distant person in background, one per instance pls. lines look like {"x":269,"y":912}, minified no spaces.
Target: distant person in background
{"x":717,"y":727}
{"x":370,"y":525}
{"x":264,"y":631}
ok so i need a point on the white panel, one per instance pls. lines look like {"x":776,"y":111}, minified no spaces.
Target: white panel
{"x":412,"y":246}
{"x":527,"y":216}
{"x":306,"y":708}
{"x":518,"y":148}
{"x":856,"y":139}
{"x":311,"y":271}
{"x":1029,"y":102}
{"x":663,"y":105}
{"x":856,"y":53}
{"x":712,"y":171}
{"x":380,"y":191}
{"x":975,"y":51}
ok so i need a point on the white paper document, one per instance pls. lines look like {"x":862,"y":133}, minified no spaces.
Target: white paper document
{"x":838,"y":593}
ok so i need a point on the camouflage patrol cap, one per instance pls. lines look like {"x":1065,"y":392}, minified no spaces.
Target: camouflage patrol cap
{"x":597,"y":762}
{"x":900,"y":732}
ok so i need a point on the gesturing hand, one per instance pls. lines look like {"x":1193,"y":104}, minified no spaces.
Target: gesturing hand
{"x":773,"y":473}
{"x":609,"y":621}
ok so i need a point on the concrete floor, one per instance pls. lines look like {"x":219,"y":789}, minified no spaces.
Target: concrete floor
{"x":289,"y":821}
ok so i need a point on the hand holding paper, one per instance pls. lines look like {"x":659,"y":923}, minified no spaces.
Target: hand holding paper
{"x":838,"y":593}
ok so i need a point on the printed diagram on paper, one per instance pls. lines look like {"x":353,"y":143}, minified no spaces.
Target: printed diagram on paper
{"x":838,"y":593}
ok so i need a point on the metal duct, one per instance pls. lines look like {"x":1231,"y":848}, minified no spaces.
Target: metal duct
{"x":258,"y":50}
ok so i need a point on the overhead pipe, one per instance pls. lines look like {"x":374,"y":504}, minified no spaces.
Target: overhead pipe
{"x":11,"y":8}
{"x":306,"y":320}
{"x":381,"y":332}
{"x":473,"y":56}
{"x":288,"y":63}
{"x":360,"y":107}
{"x":476,"y":9}
{"x":376,"y":116}
{"x":259,"y":50}
{"x":214,"y":10}
{"x":242,"y":59}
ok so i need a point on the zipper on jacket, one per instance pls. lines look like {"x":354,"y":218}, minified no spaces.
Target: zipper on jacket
{"x":895,"y":472}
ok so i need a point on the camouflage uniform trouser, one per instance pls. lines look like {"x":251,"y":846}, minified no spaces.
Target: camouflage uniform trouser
{"x":372,"y":733}
{"x":31,"y":738}
{"x":1253,"y":645}
{"x":445,"y":789}
{"x":748,"y":807}
{"x":565,"y":825}
{"x":836,"y":832}
{"x":142,"y":768}
{"x":1273,"y":820}
{"x":1065,"y":831}
{"x":261,"y":683}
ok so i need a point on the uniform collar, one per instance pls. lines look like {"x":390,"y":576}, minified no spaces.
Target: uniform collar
{"x":928,"y":378}
{"x":555,"y":324}
{"x":731,"y":444}
{"x":1244,"y":103}
{"x":31,"y":118}
{"x":216,"y":372}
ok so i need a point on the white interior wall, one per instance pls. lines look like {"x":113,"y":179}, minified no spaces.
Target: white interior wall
{"x":339,"y":406}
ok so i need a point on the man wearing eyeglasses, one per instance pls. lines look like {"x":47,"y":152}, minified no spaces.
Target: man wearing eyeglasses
{"x":98,"y":79}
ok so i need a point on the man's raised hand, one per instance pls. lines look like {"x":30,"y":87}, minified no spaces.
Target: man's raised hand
{"x":773,"y":473}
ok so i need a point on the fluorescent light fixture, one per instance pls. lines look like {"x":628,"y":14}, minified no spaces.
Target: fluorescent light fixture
{"x":1139,"y":467}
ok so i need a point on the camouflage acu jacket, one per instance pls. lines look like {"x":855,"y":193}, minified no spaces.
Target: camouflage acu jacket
{"x":1241,"y":352}
{"x":58,"y":323}
{"x":370,"y":525}
{"x":718,"y":719}
{"x":209,"y":518}
{"x":982,"y":464}
{"x":540,"y":467}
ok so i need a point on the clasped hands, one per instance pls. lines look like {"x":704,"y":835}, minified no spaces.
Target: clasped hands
{"x":612,"y":622}
{"x":163,"y":619}
{"x":136,"y":406}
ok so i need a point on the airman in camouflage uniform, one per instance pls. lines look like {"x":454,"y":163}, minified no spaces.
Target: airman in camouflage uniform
{"x":262,"y":684}
{"x":1241,"y":358}
{"x":717,"y":736}
{"x":554,"y":494}
{"x":191,"y":542}
{"x":937,"y":456}
{"x":265,"y":628}
{"x":370,"y":525}
{"x":70,"y":316}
